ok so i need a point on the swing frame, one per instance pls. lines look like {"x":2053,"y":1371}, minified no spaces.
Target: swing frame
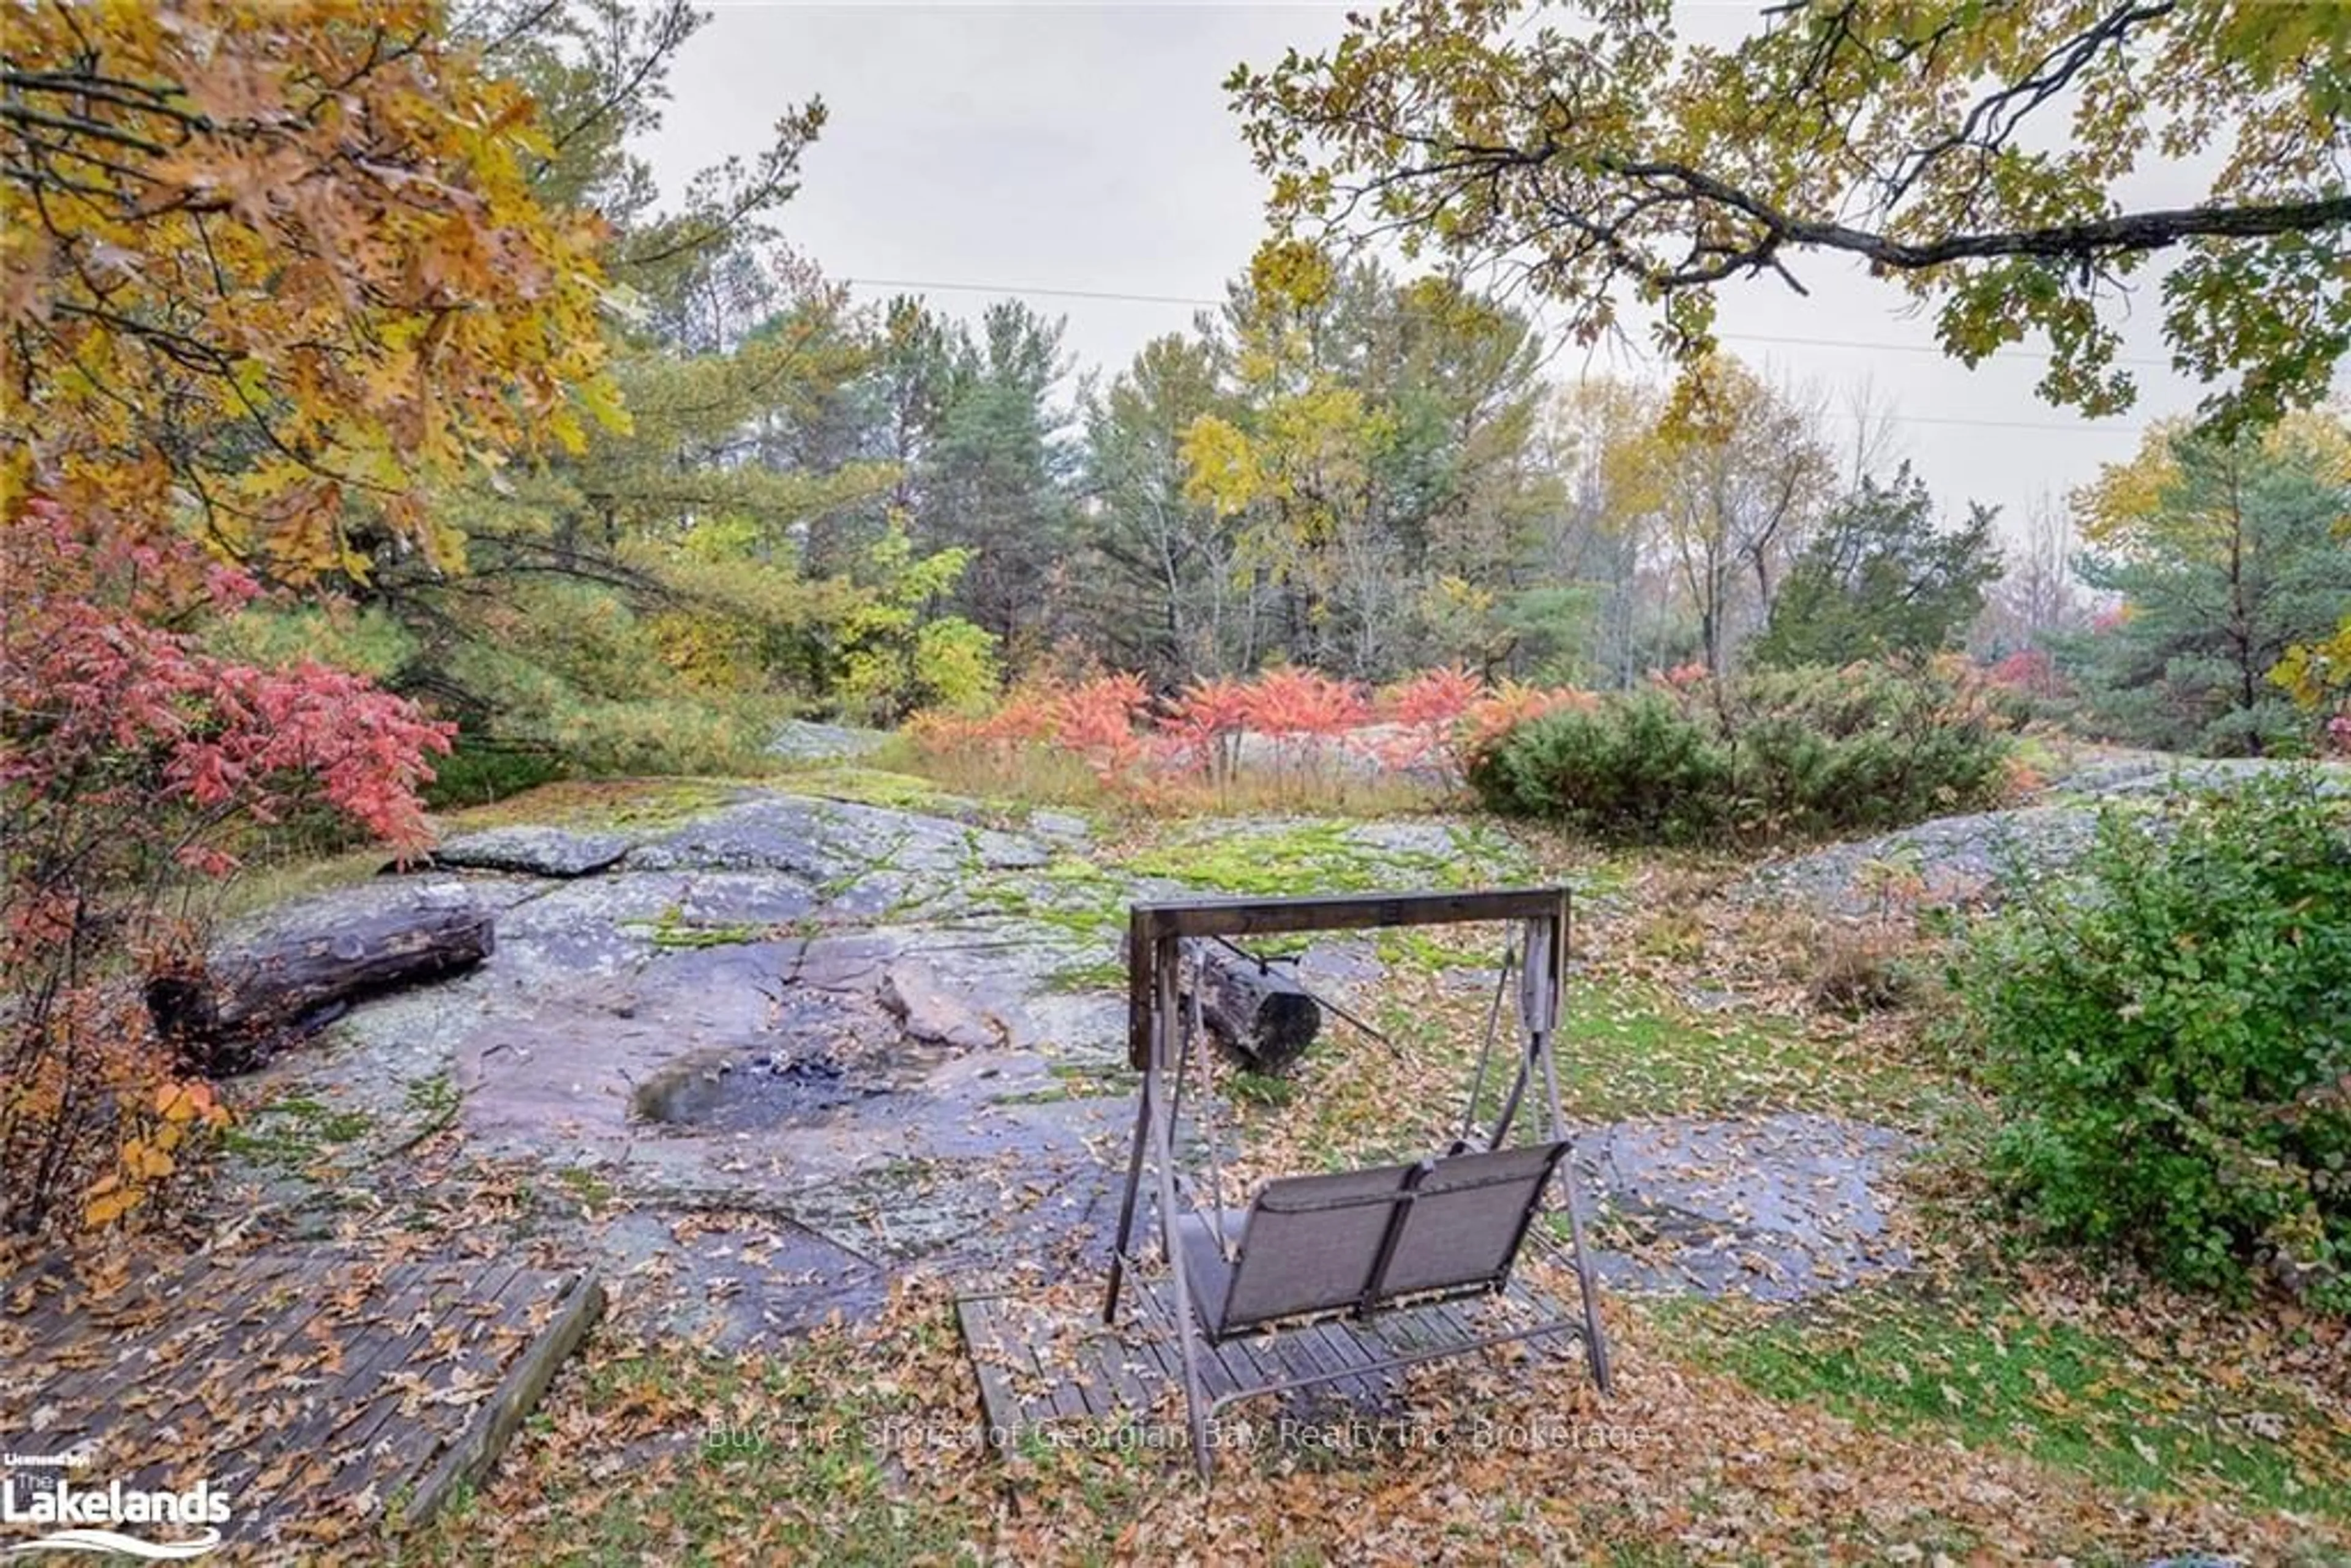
{"x":1158,"y":1045}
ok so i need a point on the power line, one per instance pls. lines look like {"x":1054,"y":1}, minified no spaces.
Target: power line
{"x":1045,"y":293}
{"x":1191,"y":301}
{"x":2144,"y":361}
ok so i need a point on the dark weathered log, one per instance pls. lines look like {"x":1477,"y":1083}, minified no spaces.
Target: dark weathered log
{"x":310,"y":960}
{"x":1260,"y":1013}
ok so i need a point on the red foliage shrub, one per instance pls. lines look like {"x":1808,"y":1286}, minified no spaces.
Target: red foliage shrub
{"x":1094,"y":717}
{"x":130,"y":761}
{"x":1204,"y":732}
{"x":1308,"y":715}
{"x":1438,"y":698}
{"x":1294,"y":704}
{"x":1430,"y":724}
{"x":1425,"y":715}
{"x":2029,"y":671}
{"x":1503,"y":709}
{"x":1683,"y":677}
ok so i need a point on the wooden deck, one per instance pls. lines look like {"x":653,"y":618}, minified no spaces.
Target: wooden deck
{"x":1039,"y":1364}
{"x":316,"y":1388}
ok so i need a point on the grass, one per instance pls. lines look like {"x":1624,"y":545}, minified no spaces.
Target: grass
{"x":1068,"y":893}
{"x":1045,"y":775}
{"x":1034,"y":776}
{"x":1076,"y":1081}
{"x":602,"y":803}
{"x":888,"y":789}
{"x":264,"y":884}
{"x":591,"y":1189}
{"x":1984,"y":1371}
{"x":672,"y":931}
{"x":1323,"y":855}
{"x":293,"y":1131}
{"x":1633,"y":1048}
{"x":810,"y":1474}
{"x":1090,"y":975}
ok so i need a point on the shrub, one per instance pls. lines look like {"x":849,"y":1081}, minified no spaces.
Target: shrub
{"x":1205,"y":730}
{"x":133,"y":764}
{"x":2173,"y":1039}
{"x":1318,"y":738}
{"x":480,"y":769}
{"x":1637,"y":766}
{"x":1861,"y":749}
{"x":1093,"y":719}
{"x":1801,"y":753}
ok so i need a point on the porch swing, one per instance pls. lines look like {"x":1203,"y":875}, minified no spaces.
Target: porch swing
{"x":1388,"y":1239}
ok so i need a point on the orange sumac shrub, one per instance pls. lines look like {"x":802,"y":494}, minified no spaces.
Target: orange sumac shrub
{"x":1310,"y":728}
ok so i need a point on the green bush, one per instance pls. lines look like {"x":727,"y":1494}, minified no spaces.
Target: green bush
{"x":587,"y":709}
{"x":1803,"y":753}
{"x":1860,"y":749}
{"x":479,"y":771}
{"x":2172,"y":1037}
{"x":1638,"y":767}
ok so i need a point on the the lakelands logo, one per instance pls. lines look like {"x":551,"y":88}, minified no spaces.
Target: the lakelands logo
{"x":82,"y":1518}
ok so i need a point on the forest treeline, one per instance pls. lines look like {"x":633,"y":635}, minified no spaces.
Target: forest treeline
{"x":851,"y":508}
{"x":772,"y":497}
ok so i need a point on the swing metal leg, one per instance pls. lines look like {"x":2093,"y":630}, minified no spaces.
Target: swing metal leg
{"x":1197,"y":1410}
{"x":1127,"y":1204}
{"x":1596,"y":1342}
{"x":1539,"y":1005}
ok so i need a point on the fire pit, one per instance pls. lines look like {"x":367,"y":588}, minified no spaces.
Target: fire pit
{"x":827,"y":1049}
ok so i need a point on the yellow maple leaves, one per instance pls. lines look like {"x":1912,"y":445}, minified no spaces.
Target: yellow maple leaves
{"x":291,"y":253}
{"x":180,"y":1108}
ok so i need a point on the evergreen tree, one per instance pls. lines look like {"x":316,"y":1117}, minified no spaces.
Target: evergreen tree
{"x":1160,"y":588}
{"x":2226,"y":554}
{"x":993,"y":477}
{"x":1878,"y":579}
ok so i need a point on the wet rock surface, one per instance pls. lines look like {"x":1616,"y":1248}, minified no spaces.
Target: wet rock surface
{"x":765,"y":1058}
{"x":1773,"y":1207}
{"x":1974,"y":859}
{"x":1987,"y":858}
{"x":803,"y":740}
{"x":533,"y":850}
{"x":849,"y":1022}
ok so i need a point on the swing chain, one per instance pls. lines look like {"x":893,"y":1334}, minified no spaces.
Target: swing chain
{"x":1195,"y":1045}
{"x":1486,"y":1048}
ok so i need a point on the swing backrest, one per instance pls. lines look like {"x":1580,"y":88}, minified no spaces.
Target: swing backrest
{"x":1359,"y":1241}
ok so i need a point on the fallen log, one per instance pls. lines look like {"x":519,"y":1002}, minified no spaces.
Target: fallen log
{"x":1258,"y":1012}
{"x":304,"y":963}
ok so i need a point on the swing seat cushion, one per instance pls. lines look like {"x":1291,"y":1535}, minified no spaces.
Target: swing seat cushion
{"x":1359,"y":1241}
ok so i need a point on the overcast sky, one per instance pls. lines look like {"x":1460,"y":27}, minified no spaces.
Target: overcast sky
{"x":1089,"y":147}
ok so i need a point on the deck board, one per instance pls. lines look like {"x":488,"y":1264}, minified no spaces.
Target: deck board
{"x":1069,"y":1367}
{"x":315,"y":1386}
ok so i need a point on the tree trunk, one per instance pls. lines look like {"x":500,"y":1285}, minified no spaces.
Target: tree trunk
{"x":271,"y":982}
{"x":1261,"y":1015}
